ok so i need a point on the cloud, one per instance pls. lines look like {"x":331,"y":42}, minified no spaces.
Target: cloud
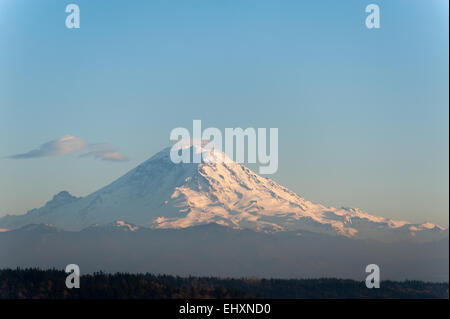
{"x":65,"y":145}
{"x":105,"y":152}
{"x":69,"y":144}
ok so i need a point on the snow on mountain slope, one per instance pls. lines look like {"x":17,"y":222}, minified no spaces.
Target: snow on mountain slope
{"x":161,"y":194}
{"x":116,"y":225}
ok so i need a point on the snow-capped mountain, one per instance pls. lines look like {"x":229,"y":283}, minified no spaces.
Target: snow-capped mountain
{"x":161,"y":194}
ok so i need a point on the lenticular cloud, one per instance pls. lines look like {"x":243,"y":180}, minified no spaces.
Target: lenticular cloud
{"x":70,"y":144}
{"x":105,"y":152}
{"x":62,"y":146}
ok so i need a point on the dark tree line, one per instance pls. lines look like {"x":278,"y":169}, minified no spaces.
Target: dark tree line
{"x":44,"y":284}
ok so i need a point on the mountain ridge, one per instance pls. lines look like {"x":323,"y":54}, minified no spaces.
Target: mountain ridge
{"x":215,"y":250}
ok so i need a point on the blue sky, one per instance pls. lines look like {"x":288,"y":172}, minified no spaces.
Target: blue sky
{"x":362,"y":114}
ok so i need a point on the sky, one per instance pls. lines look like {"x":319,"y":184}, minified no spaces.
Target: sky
{"x":362,"y":113}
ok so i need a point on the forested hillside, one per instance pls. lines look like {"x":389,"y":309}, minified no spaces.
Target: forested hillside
{"x":35,"y":283}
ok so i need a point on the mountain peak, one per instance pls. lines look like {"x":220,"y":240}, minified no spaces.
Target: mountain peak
{"x":62,"y":198}
{"x":63,"y":195}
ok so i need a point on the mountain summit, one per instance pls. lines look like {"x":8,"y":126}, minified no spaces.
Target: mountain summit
{"x":161,"y":194}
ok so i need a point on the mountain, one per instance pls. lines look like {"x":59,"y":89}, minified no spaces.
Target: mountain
{"x":161,"y":194}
